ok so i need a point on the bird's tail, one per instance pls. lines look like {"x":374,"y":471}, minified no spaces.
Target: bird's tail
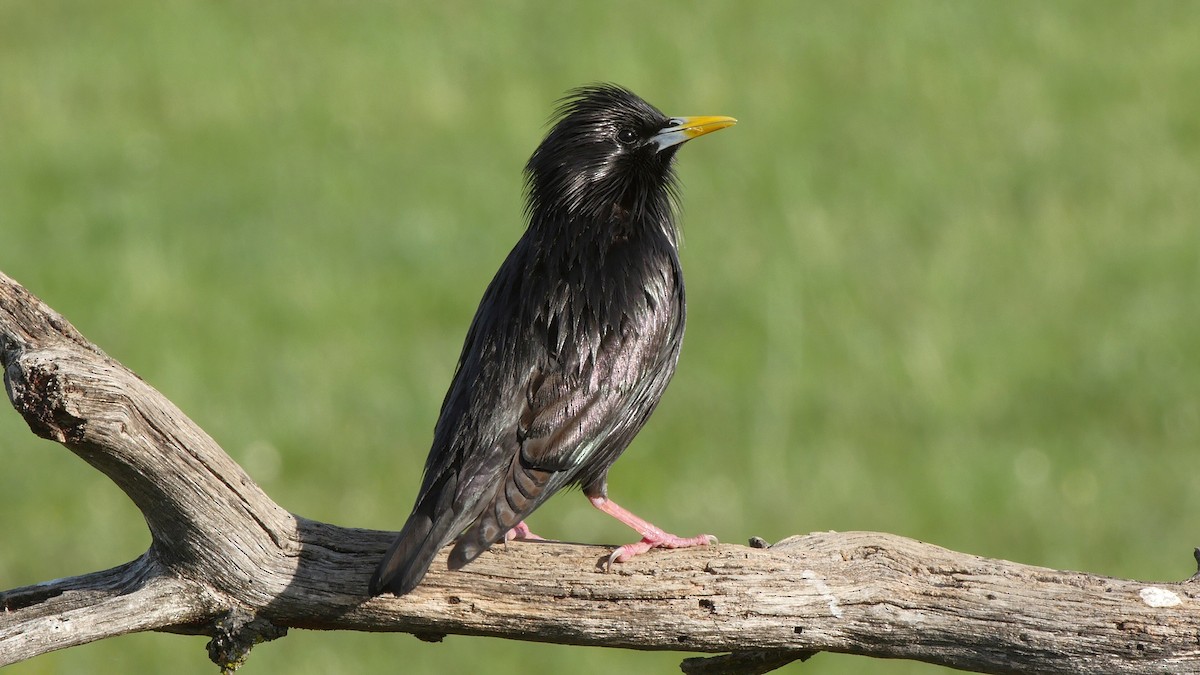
{"x":437,"y":519}
{"x":522,"y":491}
{"x":430,"y":527}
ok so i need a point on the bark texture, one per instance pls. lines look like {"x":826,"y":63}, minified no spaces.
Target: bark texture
{"x":228,"y":562}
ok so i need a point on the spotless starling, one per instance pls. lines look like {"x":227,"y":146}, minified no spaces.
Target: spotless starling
{"x":572,"y":345}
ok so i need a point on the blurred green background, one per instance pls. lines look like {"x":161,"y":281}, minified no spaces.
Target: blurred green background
{"x":944,"y":276}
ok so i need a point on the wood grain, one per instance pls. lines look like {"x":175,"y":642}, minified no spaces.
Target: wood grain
{"x":228,"y":562}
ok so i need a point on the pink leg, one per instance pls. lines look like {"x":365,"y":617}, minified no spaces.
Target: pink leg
{"x":521,"y":531}
{"x":652,"y":535}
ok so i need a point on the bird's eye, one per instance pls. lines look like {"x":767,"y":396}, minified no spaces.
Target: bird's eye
{"x":627,"y":136}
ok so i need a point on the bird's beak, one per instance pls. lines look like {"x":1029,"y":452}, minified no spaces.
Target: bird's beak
{"x":682,"y":129}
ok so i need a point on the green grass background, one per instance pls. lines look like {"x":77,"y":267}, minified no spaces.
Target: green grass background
{"x":944,"y":275}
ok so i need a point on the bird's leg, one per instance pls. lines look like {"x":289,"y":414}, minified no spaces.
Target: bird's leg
{"x":521,"y":531}
{"x":652,"y":535}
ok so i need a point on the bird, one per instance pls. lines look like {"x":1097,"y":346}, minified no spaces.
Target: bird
{"x":573,"y":342}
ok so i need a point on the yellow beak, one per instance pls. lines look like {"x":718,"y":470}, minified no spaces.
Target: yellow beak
{"x":683,"y":129}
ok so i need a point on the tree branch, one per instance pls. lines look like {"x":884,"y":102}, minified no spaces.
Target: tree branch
{"x":226,"y":561}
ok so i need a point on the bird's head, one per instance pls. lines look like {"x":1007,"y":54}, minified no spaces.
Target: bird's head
{"x":609,"y":152}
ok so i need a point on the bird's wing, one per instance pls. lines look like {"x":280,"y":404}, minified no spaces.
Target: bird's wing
{"x":472,"y":442}
{"x":565,"y":416}
{"x":575,"y":418}
{"x":527,"y":414}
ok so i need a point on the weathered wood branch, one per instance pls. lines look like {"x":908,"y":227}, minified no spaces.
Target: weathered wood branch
{"x":226,"y":561}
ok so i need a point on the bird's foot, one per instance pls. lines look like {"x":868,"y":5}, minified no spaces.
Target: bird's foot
{"x":652,"y":535}
{"x":628,"y":551}
{"x":522,"y":532}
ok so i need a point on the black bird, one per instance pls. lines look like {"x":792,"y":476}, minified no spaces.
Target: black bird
{"x":572,"y":345}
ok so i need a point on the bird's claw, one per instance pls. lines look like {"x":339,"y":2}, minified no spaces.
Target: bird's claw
{"x":624,"y":553}
{"x":521,"y":531}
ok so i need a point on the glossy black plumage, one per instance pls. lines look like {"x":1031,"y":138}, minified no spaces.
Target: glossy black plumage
{"x":574,"y":340}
